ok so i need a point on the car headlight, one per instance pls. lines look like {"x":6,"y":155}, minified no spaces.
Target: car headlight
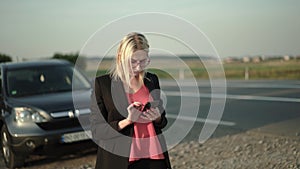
{"x":26,"y":114}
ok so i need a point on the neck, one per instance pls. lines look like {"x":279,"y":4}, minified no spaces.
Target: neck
{"x":135,"y":85}
{"x":135,"y":81}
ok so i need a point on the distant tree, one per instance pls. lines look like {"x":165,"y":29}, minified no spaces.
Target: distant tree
{"x":5,"y":58}
{"x":73,"y":58}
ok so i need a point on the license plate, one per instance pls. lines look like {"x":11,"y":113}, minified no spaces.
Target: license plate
{"x":77,"y":136}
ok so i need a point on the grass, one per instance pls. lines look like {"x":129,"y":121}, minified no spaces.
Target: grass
{"x":264,"y":70}
{"x":275,"y":69}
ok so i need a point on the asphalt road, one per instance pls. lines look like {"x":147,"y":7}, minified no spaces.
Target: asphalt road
{"x":248,"y":105}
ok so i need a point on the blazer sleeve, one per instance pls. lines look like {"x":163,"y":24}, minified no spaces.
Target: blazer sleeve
{"x":100,"y":128}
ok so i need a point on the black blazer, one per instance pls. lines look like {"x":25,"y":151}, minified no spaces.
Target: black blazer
{"x":109,"y":106}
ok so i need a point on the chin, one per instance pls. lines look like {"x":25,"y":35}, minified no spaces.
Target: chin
{"x":135,"y":74}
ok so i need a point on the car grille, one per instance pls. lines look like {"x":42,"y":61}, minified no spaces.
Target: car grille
{"x":65,"y":119}
{"x":60,"y":124}
{"x":70,"y":113}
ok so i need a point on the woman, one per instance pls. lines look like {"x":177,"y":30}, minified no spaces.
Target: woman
{"x":129,"y":136}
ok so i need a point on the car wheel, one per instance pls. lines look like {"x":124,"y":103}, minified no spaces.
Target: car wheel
{"x":10,"y":158}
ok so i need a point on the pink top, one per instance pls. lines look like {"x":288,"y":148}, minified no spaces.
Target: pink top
{"x":145,"y":144}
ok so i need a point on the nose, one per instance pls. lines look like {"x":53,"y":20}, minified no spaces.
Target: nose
{"x":138,"y":67}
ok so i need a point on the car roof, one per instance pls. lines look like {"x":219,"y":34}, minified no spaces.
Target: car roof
{"x":50,"y":62}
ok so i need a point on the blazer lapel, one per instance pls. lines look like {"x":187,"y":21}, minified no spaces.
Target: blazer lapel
{"x":155,"y":93}
{"x":119,"y":97}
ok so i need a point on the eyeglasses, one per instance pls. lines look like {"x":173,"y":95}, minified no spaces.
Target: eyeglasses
{"x":142,"y":63}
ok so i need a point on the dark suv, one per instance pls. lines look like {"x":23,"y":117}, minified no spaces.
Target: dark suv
{"x":37,"y":108}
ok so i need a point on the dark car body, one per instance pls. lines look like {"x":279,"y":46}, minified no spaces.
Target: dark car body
{"x":38,"y":109}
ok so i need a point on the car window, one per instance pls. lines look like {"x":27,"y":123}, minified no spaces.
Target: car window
{"x":43,"y":80}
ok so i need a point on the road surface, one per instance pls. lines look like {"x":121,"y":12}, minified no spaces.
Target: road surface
{"x":248,"y":105}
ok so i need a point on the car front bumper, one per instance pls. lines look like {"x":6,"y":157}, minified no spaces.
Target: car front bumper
{"x":26,"y":138}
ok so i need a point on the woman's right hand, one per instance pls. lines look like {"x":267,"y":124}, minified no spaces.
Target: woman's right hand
{"x":134,"y":111}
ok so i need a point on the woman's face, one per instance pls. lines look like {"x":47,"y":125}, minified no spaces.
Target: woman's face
{"x":139,"y":61}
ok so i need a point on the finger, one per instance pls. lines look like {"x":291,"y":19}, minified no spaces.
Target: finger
{"x":137,"y":103}
{"x":153,"y":113}
{"x":156,"y":115}
{"x":145,"y":119}
{"x":155,"y":110}
{"x":147,"y":116}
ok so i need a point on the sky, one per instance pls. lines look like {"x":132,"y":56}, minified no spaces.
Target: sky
{"x":40,"y":28}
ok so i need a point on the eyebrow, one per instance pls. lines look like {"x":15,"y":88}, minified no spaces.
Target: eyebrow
{"x":138,"y":60}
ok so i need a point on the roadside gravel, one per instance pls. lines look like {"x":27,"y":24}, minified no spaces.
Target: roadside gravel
{"x":246,"y":150}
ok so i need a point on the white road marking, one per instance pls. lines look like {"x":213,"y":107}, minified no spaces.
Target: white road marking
{"x":229,"y":96}
{"x":268,"y":85}
{"x":202,"y":120}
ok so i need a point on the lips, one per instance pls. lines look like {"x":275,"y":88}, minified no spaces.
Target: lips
{"x":137,"y":70}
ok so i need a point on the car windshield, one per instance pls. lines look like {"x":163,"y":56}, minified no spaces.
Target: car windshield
{"x":43,"y":80}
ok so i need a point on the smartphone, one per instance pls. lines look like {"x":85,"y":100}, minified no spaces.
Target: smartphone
{"x":151,"y":104}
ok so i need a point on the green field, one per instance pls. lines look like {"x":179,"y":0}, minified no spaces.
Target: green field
{"x":264,"y":70}
{"x":274,"y":69}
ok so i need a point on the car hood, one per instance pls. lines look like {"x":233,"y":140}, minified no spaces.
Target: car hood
{"x":54,"y":102}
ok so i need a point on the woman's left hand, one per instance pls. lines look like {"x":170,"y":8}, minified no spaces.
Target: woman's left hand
{"x":152,"y":114}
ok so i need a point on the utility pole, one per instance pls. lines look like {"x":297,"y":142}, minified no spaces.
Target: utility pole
{"x":246,"y":73}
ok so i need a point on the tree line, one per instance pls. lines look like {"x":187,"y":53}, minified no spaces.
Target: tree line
{"x":71,"y":57}
{"x":4,"y":58}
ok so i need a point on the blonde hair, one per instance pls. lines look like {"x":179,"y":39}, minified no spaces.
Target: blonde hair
{"x":129,"y":44}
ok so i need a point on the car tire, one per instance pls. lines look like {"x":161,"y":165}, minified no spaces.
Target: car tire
{"x":11,"y":159}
